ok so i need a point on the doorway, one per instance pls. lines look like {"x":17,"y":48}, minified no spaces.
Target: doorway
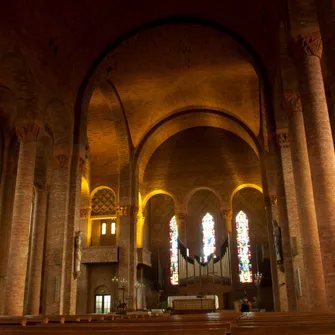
{"x":102,"y":303}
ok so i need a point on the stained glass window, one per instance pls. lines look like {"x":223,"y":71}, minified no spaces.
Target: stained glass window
{"x":208,"y":236}
{"x":243,"y":248}
{"x":173,"y":251}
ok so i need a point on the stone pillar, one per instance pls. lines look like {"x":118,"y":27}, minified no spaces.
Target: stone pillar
{"x":182,"y":226}
{"x":37,"y":248}
{"x":18,"y":252}
{"x":307,"y":52}
{"x":73,"y":224}
{"x":315,"y":288}
{"x":53,"y":297}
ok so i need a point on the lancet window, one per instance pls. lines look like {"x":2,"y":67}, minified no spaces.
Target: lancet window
{"x":173,"y":251}
{"x":243,"y":248}
{"x":208,"y":236}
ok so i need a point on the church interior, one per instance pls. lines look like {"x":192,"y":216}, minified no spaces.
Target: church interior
{"x":168,"y":157}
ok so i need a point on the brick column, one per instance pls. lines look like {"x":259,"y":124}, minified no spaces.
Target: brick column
{"x":283,"y":221}
{"x":293,"y":220}
{"x":7,"y":188}
{"x":82,"y":290}
{"x":3,"y":176}
{"x":73,"y":224}
{"x":276,"y":209}
{"x":308,"y":228}
{"x":277,"y":277}
{"x":85,"y":215}
{"x":307,"y":52}
{"x":37,"y":248}
{"x":227,"y":214}
{"x":18,"y":252}
{"x":326,"y":18}
{"x":53,"y":297}
{"x":181,"y":222}
{"x":127,"y":251}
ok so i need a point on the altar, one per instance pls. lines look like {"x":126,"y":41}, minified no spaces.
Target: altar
{"x":193,"y":302}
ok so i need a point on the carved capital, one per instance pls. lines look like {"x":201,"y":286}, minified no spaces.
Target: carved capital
{"x":270,"y":200}
{"x":42,"y":186}
{"x":283,"y":140}
{"x":180,"y":217}
{"x":123,"y":210}
{"x":291,"y":101}
{"x":62,"y":159}
{"x":85,"y":213}
{"x":227,"y":213}
{"x":81,"y":163}
{"x":306,"y":45}
{"x":27,"y":132}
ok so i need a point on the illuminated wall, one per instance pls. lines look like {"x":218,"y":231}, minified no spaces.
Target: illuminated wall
{"x":173,"y":251}
{"x":243,"y":248}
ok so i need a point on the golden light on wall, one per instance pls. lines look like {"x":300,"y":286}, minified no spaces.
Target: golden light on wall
{"x":85,"y":189}
{"x":139,"y":223}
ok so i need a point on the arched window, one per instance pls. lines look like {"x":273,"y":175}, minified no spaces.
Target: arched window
{"x":173,"y":251}
{"x":103,"y":228}
{"x":243,"y":248}
{"x":208,"y":235}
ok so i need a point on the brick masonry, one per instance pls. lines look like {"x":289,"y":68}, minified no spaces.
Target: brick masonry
{"x":178,"y":69}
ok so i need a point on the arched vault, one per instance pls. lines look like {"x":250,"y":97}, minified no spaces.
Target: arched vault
{"x":190,"y":119}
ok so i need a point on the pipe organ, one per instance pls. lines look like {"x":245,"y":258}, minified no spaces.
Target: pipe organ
{"x":216,"y":269}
